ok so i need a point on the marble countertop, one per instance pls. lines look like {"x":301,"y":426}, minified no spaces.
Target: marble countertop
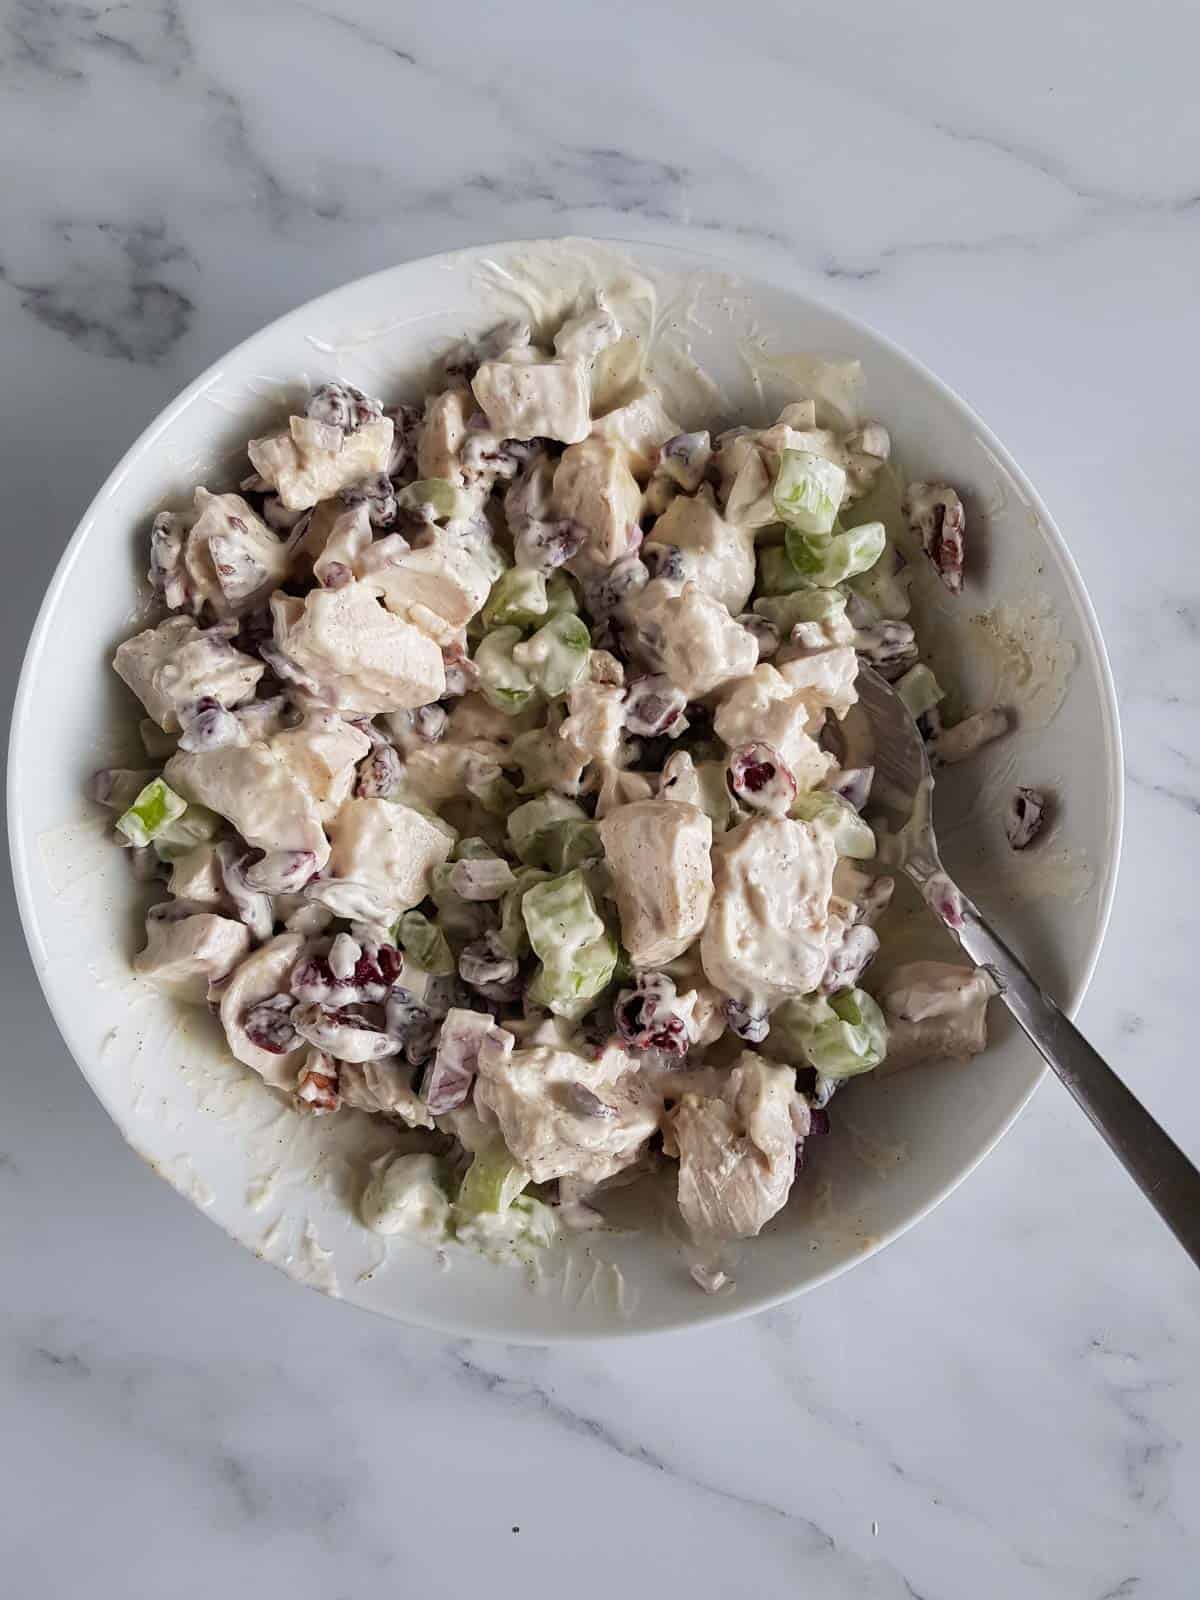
{"x":996,"y":1406}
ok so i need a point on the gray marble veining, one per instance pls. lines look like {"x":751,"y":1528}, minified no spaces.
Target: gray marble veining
{"x":1005,"y":1403}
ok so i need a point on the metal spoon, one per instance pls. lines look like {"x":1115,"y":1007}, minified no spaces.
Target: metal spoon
{"x":904,"y":785}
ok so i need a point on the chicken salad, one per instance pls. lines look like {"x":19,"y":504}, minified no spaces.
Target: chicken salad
{"x":502,"y":777}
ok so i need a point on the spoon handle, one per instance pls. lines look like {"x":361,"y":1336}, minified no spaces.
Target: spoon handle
{"x":1153,"y":1160}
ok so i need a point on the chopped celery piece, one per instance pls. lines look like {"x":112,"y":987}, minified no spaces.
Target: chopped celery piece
{"x":502,"y":682}
{"x":156,"y":806}
{"x":839,"y":1037}
{"x":461,"y":920}
{"x":425,"y":942}
{"x":512,"y":935}
{"x":539,"y":813}
{"x":518,"y":599}
{"x":525,"y":598}
{"x":885,"y":587}
{"x":577,"y":952}
{"x":851,"y":835}
{"x":805,"y":605}
{"x":570,"y":989}
{"x":556,"y":657}
{"x":473,"y":849}
{"x":561,"y":916}
{"x":776,"y":574}
{"x":492,"y":1182}
{"x":919,"y":690}
{"x":564,"y":844}
{"x":808,"y":491}
{"x":196,"y":826}
{"x":826,"y":560}
{"x":443,"y":498}
{"x":560,"y":597}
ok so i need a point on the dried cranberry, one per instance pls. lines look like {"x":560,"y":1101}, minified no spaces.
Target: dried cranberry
{"x":378,"y":494}
{"x":653,"y":705}
{"x":753,"y":1026}
{"x":336,"y":575}
{"x":268,"y":1025}
{"x":380,"y":775}
{"x":487,"y":963}
{"x":406,"y":426}
{"x":620,"y":581}
{"x":766,"y":634}
{"x":647,"y":1016}
{"x":758,"y":776}
{"x":545,"y":546}
{"x":890,"y":647}
{"x":665,"y":561}
{"x":210,"y":727}
{"x":936,"y":513}
{"x":1025,"y":817}
{"x":341,"y":405}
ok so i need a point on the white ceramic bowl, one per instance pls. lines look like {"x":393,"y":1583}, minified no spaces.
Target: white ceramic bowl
{"x":283,"y":1185}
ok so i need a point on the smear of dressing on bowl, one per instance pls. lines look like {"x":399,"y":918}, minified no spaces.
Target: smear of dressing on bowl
{"x":314,"y":1264}
{"x":183,"y":1176}
{"x":1030,"y":660}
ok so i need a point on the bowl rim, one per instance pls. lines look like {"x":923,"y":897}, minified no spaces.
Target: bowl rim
{"x":714,"y":1315}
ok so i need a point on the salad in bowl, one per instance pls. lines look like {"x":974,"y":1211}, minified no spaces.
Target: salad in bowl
{"x":504,"y":780}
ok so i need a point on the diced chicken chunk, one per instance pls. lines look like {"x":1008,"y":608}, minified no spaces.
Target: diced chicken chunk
{"x":439,"y":772}
{"x":934,"y":1010}
{"x":769,"y":931}
{"x":535,"y":399}
{"x":637,"y":428}
{"x":388,"y":848}
{"x":443,"y":430}
{"x":583,"y":336}
{"x":593,"y":728}
{"x":737,"y":1151}
{"x":595,"y":489}
{"x":233,"y":559}
{"x":450,"y":577}
{"x":338,"y":540}
{"x":184,"y":955}
{"x":362,"y":658}
{"x":263,"y":976}
{"x":384,"y":1087}
{"x":196,"y":876}
{"x":691,"y":541}
{"x":764,"y":707}
{"x":173,"y":666}
{"x":254,"y":789}
{"x":565,"y":1116}
{"x":658,"y":853}
{"x":825,"y":679}
{"x":322,"y":753}
{"x":313,"y":460}
{"x":698,"y":643}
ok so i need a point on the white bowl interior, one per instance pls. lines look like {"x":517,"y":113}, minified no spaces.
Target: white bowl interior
{"x":285,"y":1186}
